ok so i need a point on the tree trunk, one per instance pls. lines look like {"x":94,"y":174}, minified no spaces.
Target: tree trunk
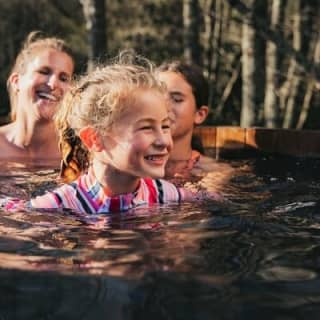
{"x":213,"y":29}
{"x":248,"y":109}
{"x":94,"y":13}
{"x":216,"y":45}
{"x":310,"y":86}
{"x":271,"y":109}
{"x":191,"y":31}
{"x":313,"y":81}
{"x":228,"y":89}
{"x":294,"y":70}
{"x":209,"y":17}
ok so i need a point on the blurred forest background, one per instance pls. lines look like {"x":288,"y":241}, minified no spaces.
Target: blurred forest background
{"x":261,"y":57}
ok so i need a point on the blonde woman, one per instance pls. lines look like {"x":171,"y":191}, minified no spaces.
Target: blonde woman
{"x":39,"y":78}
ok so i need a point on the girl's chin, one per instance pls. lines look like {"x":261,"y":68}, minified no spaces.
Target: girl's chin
{"x":47,"y":111}
{"x":156,"y":174}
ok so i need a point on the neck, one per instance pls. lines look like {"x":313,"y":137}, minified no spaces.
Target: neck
{"x":38,"y":138}
{"x":179,"y":160}
{"x":114,"y":181}
{"x":182,"y":149}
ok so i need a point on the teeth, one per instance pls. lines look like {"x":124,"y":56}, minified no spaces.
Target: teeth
{"x":47,"y":96}
{"x":154,"y":157}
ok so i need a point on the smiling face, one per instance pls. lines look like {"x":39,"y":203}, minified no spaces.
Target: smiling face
{"x":44,"y":82}
{"x":140,"y":140}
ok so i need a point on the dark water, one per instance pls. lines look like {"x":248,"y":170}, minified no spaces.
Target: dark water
{"x":256,"y":256}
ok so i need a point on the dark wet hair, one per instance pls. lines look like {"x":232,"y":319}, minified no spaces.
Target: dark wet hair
{"x":193,"y":75}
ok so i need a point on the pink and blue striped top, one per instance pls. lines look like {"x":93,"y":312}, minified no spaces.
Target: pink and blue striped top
{"x":87,"y":195}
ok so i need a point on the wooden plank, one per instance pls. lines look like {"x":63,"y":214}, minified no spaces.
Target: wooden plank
{"x":230,"y":138}
{"x":282,"y":141}
{"x":262,"y":138}
{"x":207,"y":135}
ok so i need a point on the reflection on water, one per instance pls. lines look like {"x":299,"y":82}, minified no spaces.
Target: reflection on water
{"x":254,"y":257}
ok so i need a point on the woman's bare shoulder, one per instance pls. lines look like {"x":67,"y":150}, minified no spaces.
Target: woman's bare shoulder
{"x":215,"y":174}
{"x":4,"y":130}
{"x":8,"y":149}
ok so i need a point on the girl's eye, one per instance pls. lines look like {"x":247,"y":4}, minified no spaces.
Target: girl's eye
{"x":176,"y":97}
{"x":146,"y":128}
{"x":64,"y":78}
{"x":177,"y":100}
{"x":166,"y":127}
{"x":44,"y":71}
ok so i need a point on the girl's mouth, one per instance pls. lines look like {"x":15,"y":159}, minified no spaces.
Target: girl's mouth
{"x":47,"y":96}
{"x":157,"y":159}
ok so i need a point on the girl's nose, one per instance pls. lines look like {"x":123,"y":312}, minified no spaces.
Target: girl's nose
{"x":53,"y":81}
{"x":163,"y":140}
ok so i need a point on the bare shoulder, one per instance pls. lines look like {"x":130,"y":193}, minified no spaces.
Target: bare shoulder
{"x":216,"y":175}
{"x":3,"y":136}
{"x":209,"y":167}
{"x":8,"y":149}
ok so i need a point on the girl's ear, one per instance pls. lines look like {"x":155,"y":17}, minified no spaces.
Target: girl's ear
{"x":14,"y":81}
{"x":201,"y":114}
{"x":91,"y":139}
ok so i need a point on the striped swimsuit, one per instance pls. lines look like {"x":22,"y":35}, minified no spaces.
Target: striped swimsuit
{"x":87,"y":195}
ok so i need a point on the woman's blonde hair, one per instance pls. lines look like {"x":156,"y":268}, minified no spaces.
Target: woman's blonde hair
{"x":97,"y":100}
{"x":34,"y":42}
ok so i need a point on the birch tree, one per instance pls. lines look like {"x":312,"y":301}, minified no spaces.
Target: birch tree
{"x":213,"y":17}
{"x":312,"y":80}
{"x":94,"y":13}
{"x":290,"y":88}
{"x":248,"y":104}
{"x":271,"y":108}
{"x":191,"y":32}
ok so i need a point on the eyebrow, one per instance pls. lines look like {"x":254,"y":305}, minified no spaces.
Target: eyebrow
{"x":49,"y":67}
{"x":152,"y":120}
{"x":176,"y":93}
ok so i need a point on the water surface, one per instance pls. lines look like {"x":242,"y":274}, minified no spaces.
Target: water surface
{"x":255,"y":256}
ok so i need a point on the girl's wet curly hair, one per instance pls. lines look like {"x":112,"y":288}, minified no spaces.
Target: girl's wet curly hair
{"x":97,"y":100}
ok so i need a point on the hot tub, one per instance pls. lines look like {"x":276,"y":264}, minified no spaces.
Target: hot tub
{"x":255,"y":256}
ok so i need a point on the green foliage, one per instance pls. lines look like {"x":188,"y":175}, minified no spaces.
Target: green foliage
{"x":154,"y":28}
{"x":18,"y":18}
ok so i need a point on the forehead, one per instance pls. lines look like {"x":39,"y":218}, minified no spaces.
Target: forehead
{"x":175,"y":82}
{"x":52,"y":58}
{"x":146,"y":103}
